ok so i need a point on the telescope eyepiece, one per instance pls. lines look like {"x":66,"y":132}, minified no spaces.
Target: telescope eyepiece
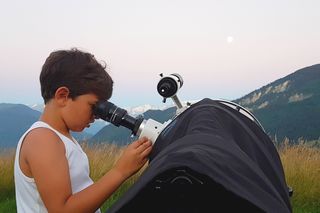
{"x":109,"y":112}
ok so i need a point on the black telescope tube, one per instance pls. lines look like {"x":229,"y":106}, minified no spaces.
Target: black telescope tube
{"x":117,"y":116}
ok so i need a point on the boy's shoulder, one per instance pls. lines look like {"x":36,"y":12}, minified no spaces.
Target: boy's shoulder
{"x":42,"y":139}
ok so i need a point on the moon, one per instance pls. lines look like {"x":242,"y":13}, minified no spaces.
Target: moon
{"x":230,"y":39}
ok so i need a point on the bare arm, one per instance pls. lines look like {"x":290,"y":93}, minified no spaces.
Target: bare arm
{"x":49,"y":167}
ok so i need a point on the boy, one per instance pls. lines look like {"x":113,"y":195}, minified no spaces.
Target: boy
{"x":51,"y":170}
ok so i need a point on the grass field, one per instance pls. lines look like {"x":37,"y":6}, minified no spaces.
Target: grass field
{"x":301,"y":164}
{"x":302,"y":169}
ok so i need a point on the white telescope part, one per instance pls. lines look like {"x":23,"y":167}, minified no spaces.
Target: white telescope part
{"x":150,"y":129}
{"x":177,"y":101}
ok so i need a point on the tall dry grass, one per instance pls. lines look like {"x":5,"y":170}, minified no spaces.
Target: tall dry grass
{"x":7,"y":193}
{"x":301,"y":164}
{"x":6,"y":173}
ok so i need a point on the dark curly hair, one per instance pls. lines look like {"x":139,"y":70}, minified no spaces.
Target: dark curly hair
{"x":79,"y":71}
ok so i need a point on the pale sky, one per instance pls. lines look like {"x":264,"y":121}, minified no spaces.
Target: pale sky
{"x":221,"y":48}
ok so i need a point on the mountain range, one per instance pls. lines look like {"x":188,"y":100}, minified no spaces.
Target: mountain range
{"x":287,"y":108}
{"x":14,"y":120}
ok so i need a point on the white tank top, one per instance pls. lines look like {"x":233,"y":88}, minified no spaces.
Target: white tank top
{"x":27,"y":196}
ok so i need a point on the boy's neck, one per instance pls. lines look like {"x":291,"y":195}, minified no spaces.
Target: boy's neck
{"x":52,"y":117}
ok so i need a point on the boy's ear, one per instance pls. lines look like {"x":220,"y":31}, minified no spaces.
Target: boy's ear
{"x":62,"y":95}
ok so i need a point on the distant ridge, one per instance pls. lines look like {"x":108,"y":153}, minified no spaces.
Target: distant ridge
{"x":290,"y":106}
{"x":14,"y":120}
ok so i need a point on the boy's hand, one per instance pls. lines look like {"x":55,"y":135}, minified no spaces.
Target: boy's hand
{"x":134,"y":157}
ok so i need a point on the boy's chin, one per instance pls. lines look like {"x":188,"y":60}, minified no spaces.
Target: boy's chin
{"x":80,"y":129}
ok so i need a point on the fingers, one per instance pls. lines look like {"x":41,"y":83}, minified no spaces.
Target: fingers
{"x":135,"y":156}
{"x":147,"y":151}
{"x":143,"y":146}
{"x":139,"y":142}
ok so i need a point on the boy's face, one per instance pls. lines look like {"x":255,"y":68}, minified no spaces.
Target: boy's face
{"x":78,"y":113}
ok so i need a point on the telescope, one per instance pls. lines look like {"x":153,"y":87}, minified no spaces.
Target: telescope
{"x":212,"y":147}
{"x":168,"y":87}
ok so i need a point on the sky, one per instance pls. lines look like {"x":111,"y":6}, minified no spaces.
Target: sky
{"x":221,"y":48}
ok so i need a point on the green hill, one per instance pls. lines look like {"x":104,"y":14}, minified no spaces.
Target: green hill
{"x":15,"y":119}
{"x":288,"y":107}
